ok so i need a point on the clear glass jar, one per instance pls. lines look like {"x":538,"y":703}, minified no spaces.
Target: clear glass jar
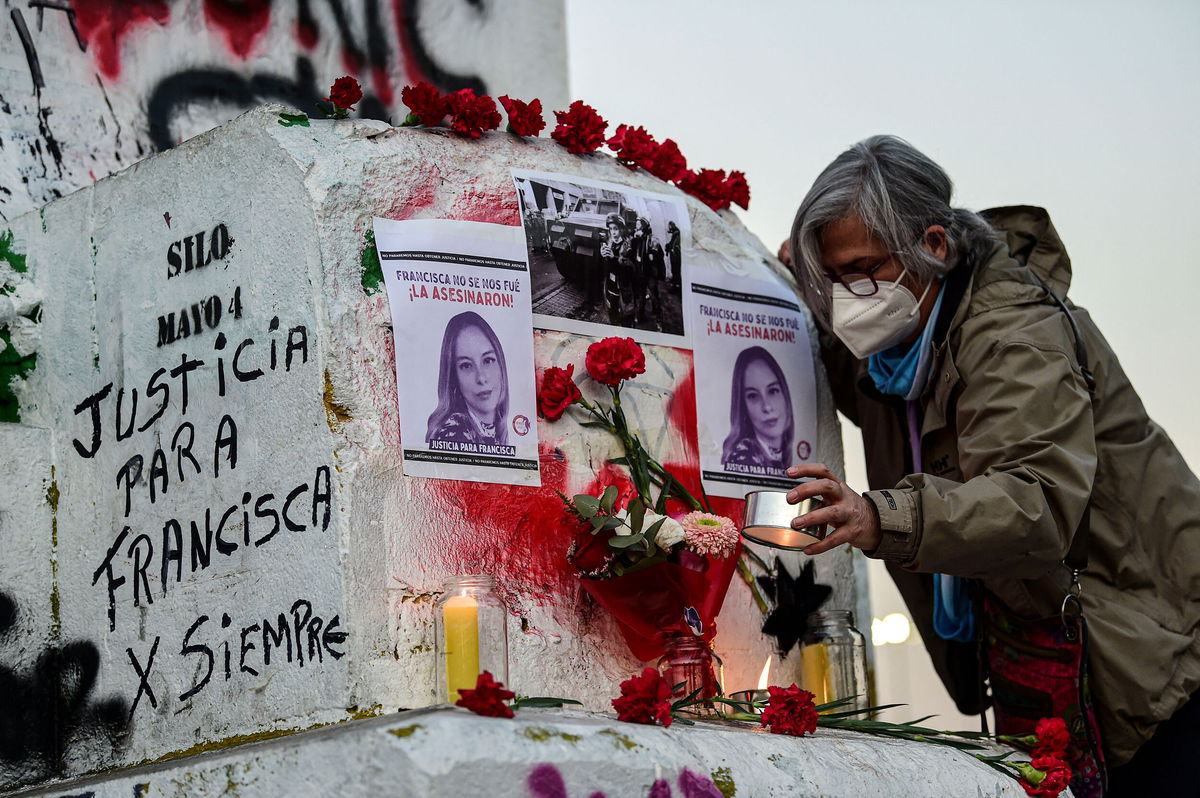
{"x":690,"y":661}
{"x":471,"y":635}
{"x":833,"y":658}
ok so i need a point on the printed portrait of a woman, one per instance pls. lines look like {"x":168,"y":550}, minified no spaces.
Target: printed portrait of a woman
{"x":472,"y":385}
{"x":761,"y":427}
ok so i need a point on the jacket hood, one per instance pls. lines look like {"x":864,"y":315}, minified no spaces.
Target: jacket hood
{"x":1033,"y":241}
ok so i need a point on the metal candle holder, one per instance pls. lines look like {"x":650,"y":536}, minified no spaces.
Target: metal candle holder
{"x":768,"y":520}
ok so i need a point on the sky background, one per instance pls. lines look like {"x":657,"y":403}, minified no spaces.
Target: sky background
{"x":1089,"y":109}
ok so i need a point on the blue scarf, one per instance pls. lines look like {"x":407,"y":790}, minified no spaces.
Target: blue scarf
{"x":903,"y":370}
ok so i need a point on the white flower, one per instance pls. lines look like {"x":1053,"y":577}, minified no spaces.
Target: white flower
{"x":670,"y":533}
{"x":623,"y":517}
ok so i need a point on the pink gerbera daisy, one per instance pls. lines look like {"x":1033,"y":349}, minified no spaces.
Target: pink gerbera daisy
{"x":705,"y":533}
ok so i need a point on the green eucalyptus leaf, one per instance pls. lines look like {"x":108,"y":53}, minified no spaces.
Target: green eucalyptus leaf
{"x":607,"y":499}
{"x":637,"y":512}
{"x":624,"y":541}
{"x":653,"y":530}
{"x":646,"y":562}
{"x":587,"y":505}
{"x":541,"y":701}
{"x":612,"y":522}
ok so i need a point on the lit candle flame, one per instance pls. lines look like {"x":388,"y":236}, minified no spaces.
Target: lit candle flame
{"x":765,"y":677}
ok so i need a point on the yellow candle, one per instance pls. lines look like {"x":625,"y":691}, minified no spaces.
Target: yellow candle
{"x":460,"y":620}
{"x":814,"y":665}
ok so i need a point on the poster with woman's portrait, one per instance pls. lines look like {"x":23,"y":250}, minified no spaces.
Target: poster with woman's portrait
{"x":755,"y":396}
{"x":463,"y":331}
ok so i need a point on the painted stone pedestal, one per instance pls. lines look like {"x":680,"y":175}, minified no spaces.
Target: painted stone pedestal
{"x":561,"y":754}
{"x":211,"y":537}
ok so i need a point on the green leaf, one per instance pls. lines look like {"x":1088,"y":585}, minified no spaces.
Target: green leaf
{"x":637,"y":513}
{"x":586,"y":505}
{"x":869,"y":711}
{"x":623,"y":461}
{"x":653,"y":530}
{"x":996,"y":757}
{"x":624,"y":541}
{"x":687,"y":699}
{"x":642,"y":564}
{"x":607,"y":499}
{"x":541,"y":701}
{"x":293,"y":120}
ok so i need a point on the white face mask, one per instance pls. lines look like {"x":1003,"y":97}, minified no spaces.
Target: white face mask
{"x":871,"y":324}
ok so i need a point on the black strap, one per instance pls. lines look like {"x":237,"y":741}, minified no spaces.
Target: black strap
{"x":1077,"y":554}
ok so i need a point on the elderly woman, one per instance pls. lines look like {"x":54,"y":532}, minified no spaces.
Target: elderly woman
{"x":1015,"y":476}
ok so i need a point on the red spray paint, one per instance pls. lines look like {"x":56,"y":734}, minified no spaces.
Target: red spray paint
{"x":103,"y":24}
{"x":240,"y":22}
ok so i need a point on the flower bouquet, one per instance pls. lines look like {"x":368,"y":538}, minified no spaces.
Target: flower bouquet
{"x":663,"y":578}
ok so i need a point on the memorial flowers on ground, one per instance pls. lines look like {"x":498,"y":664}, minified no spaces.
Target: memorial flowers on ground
{"x":581,"y":129}
{"x":426,"y":105}
{"x":524,"y":118}
{"x":471,"y":114}
{"x":490,"y":697}
{"x":344,"y":94}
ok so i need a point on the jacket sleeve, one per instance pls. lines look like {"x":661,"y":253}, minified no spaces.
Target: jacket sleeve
{"x":1026,"y":448}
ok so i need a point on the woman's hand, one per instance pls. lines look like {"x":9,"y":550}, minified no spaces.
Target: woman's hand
{"x":853,"y":518}
{"x":785,"y":252}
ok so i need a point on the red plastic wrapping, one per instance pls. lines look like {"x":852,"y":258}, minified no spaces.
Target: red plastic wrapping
{"x":650,"y":605}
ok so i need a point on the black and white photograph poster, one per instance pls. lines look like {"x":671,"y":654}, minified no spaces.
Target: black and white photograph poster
{"x":756,"y":402}
{"x":605,"y":259}
{"x":461,"y":324}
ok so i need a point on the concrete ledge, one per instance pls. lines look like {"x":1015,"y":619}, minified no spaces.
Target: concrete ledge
{"x":445,"y":751}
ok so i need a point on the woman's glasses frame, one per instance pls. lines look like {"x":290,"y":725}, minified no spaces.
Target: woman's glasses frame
{"x":861,"y":283}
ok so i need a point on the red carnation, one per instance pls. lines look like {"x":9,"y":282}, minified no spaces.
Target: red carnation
{"x":738,"y":190}
{"x":580,"y":129}
{"x":487,"y":698}
{"x":668,"y":163}
{"x":790,"y":710}
{"x":471,"y":114}
{"x":345,"y":92}
{"x":524,"y":118}
{"x":708,"y":186}
{"x":615,"y":359}
{"x":1053,"y":739}
{"x":427,"y":105}
{"x":1045,"y":777}
{"x":558,"y":392}
{"x":644,"y":699}
{"x":634,"y":146}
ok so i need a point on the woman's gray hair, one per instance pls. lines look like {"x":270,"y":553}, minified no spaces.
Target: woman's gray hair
{"x":897,"y":192}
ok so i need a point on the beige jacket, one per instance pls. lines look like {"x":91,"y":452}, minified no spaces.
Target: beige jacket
{"x":1013,"y":452}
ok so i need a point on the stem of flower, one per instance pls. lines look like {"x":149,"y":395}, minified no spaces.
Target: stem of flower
{"x":747,"y":577}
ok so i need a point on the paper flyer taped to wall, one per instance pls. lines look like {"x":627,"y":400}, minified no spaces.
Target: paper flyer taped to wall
{"x":605,"y":259}
{"x":755,"y":392}
{"x":463,"y":331}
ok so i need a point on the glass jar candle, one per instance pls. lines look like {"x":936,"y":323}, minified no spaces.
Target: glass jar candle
{"x":833,"y":659}
{"x":689,"y":661}
{"x":471,"y":632}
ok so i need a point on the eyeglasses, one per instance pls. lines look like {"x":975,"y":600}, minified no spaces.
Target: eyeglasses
{"x":861,"y":283}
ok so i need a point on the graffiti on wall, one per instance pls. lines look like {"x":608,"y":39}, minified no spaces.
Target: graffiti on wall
{"x":91,"y":86}
{"x":51,"y":706}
